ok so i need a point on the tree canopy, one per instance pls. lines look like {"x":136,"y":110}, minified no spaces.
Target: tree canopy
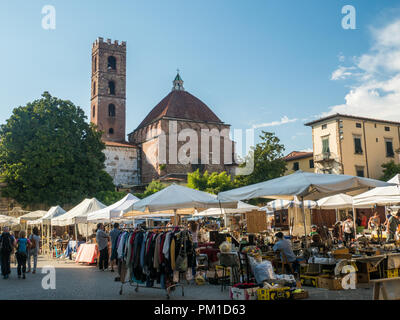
{"x":50,"y":155}
{"x":211,"y":183}
{"x":390,"y":169}
{"x":267,"y":156}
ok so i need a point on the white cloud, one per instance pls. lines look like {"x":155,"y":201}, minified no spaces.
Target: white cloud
{"x":284,"y":120}
{"x":307,"y":150}
{"x":376,"y":89}
{"x":341,"y":57}
{"x":342,"y":73}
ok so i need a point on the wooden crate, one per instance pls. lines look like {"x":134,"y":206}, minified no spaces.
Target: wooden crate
{"x":256,"y":221}
{"x":327,"y":282}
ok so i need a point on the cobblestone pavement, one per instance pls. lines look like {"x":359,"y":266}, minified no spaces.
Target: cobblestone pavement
{"x":79,"y":281}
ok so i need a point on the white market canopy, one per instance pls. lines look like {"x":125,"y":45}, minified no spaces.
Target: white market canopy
{"x":114,"y":211}
{"x":79,"y":213}
{"x":53,"y":212}
{"x":338,"y":201}
{"x":34,"y":215}
{"x":381,"y":196}
{"x":242,"y":207}
{"x":395,"y":179}
{"x":281,"y":204}
{"x":180,"y":200}
{"x":308,"y":185}
{"x":8,"y":220}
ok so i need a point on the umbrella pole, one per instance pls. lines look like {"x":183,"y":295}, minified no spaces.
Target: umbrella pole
{"x":304,"y":219}
{"x":175,"y":217}
{"x":354,"y":223}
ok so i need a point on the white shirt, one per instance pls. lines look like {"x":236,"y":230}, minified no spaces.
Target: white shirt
{"x":347,"y":226}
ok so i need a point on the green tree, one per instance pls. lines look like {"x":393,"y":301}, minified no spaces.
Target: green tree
{"x":153,"y":187}
{"x":50,"y":155}
{"x":390,"y":169}
{"x":110,"y":197}
{"x":268,"y":161}
{"x":212,"y":183}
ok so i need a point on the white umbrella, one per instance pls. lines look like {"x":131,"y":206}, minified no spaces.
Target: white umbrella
{"x":242,"y":207}
{"x":339,"y":201}
{"x":53,"y":212}
{"x":79,"y":213}
{"x":395,"y":179}
{"x":33,"y":215}
{"x":8,"y":220}
{"x":281,"y":204}
{"x":113,"y":211}
{"x":179,"y":199}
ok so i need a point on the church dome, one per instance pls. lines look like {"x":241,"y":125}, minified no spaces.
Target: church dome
{"x":180,"y":104}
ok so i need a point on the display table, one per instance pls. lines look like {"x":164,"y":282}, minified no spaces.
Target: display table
{"x":87,"y":253}
{"x":386,"y":289}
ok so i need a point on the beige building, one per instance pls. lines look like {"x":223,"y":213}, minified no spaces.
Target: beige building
{"x":299,"y":160}
{"x":345,"y":144}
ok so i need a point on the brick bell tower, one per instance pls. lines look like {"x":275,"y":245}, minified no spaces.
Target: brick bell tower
{"x":108,"y":93}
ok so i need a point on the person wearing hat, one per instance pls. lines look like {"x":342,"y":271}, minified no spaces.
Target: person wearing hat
{"x":313,"y":230}
{"x":285,"y":248}
{"x":392,"y":225}
{"x":102,"y":244}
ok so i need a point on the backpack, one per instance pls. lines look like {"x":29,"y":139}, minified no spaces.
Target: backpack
{"x":6,"y":245}
{"x":33,"y":242}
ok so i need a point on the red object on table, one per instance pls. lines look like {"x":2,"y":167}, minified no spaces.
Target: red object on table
{"x":87,"y":253}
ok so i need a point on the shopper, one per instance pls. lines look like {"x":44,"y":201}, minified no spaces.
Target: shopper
{"x":374,"y":222}
{"x":34,"y":250}
{"x":348,"y":230}
{"x":7,"y":244}
{"x":23,"y":246}
{"x":194,"y":229}
{"x":102,"y":244}
{"x":285,"y":248}
{"x":114,"y":236}
{"x":392,"y":226}
{"x":363,"y":220}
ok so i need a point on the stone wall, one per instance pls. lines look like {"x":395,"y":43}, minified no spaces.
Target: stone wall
{"x":122,"y":165}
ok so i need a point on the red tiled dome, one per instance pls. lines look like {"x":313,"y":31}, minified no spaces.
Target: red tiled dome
{"x":179,"y":104}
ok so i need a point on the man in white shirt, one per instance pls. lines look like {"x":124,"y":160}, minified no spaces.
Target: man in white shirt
{"x":348,"y":230}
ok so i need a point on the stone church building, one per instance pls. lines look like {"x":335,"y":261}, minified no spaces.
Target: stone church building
{"x":179,"y":135}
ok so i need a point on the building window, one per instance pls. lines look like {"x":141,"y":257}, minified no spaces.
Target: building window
{"x":358,"y":125}
{"x":94,"y":88}
{"x":376,"y":139}
{"x":389,"y":148}
{"x":94,"y":111}
{"x":375,"y":125}
{"x":357,"y":145}
{"x":311,"y":162}
{"x":112,"y":63}
{"x":111,"y":87}
{"x":111,"y":110}
{"x":387,"y":128}
{"x":95,"y":63}
{"x":360,"y":171}
{"x":325,"y":145}
{"x":111,"y":131}
{"x":324,"y":126}
{"x":295,"y":166}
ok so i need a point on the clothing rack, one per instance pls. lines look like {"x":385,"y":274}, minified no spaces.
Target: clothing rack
{"x":137,"y":285}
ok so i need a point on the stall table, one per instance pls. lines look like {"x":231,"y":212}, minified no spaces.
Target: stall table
{"x":87,"y":253}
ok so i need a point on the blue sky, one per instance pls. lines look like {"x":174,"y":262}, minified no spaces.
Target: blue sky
{"x":268,"y":64}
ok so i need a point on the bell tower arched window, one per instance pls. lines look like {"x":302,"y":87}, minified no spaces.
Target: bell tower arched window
{"x":111,"y":87}
{"x":111,"y":131}
{"x":94,"y":111}
{"x":111,"y":110}
{"x":112,"y":63}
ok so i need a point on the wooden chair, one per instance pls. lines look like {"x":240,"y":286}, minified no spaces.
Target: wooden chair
{"x":284,"y":262}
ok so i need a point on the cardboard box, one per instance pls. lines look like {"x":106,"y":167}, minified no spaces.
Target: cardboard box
{"x":243,"y":294}
{"x":330,"y":283}
{"x":300,"y":295}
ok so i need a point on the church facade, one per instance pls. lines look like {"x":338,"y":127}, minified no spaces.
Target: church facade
{"x":179,"y":135}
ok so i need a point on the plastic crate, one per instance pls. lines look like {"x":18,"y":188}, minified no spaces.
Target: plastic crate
{"x":392,"y":273}
{"x":274,"y":294}
{"x":309,"y":281}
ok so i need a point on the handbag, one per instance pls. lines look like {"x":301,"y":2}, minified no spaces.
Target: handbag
{"x":181,"y":263}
